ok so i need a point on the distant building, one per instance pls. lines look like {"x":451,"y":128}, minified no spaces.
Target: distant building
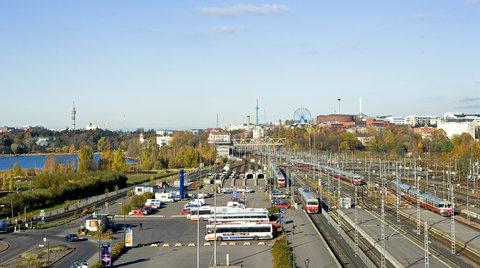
{"x":258,"y":132}
{"x":164,"y":137}
{"x":43,"y":141}
{"x":396,"y":120}
{"x":91,"y":126}
{"x":141,"y":138}
{"x":416,"y":120}
{"x":222,"y":141}
{"x":453,"y":128}
{"x":378,"y":123}
{"x":219,"y":137}
{"x":425,"y":131}
{"x":335,"y":120}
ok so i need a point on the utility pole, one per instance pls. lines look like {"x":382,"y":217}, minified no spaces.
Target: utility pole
{"x":382,"y":230}
{"x":356,"y":220}
{"x":426,"y":242}
{"x":215,"y":227}
{"x":417,"y":181}
{"x":198,"y":233}
{"x":397,"y":175}
{"x":452,"y":221}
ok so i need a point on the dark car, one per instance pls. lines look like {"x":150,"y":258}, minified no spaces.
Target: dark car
{"x":71,"y":238}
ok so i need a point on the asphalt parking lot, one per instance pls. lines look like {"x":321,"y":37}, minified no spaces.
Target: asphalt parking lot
{"x":169,"y":227}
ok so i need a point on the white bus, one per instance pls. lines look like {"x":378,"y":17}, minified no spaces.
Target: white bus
{"x":239,"y":231}
{"x":240,"y":215}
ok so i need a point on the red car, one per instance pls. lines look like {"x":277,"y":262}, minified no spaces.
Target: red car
{"x":184,"y":211}
{"x":136,"y":212}
{"x":280,"y":203}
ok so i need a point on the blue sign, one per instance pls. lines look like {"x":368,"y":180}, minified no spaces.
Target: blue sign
{"x":234,"y":194}
{"x":182,"y":175}
{"x":106,"y":255}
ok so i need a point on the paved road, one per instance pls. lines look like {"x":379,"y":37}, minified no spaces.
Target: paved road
{"x":401,"y":248}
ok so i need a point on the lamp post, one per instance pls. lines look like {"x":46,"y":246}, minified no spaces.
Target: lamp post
{"x":45,"y":241}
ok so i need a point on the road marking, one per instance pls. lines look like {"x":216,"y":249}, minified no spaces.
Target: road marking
{"x":232,"y":244}
{"x":154,"y":245}
{"x":207,"y":244}
{"x":246,"y":243}
{"x":223,"y":244}
{"x":178,"y":244}
{"x":166,"y":245}
{"x":191,"y":244}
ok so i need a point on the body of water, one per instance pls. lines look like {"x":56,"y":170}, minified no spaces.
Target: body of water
{"x":38,"y":161}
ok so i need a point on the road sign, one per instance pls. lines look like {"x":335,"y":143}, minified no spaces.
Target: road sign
{"x":42,"y":215}
{"x":129,"y":237}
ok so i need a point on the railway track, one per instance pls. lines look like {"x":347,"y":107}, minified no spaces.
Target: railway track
{"x":438,"y":248}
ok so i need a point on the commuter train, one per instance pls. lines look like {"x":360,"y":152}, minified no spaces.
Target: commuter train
{"x":281,"y":178}
{"x":334,"y":172}
{"x":308,"y":200}
{"x":426,"y":200}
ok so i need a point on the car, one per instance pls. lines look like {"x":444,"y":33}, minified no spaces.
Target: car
{"x":280,"y":203}
{"x":79,"y":264}
{"x":184,"y":211}
{"x":71,"y":238}
{"x":249,"y":190}
{"x":136,"y":212}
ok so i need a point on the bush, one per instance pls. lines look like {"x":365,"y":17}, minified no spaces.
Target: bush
{"x":273,"y":210}
{"x":137,"y":201}
{"x":282,"y":254}
{"x":148,"y":195}
{"x":55,"y":189}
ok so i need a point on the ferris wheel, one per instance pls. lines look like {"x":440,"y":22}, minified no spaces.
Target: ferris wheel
{"x":302,"y":116}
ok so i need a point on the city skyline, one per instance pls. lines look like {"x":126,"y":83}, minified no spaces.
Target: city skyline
{"x":179,"y":64}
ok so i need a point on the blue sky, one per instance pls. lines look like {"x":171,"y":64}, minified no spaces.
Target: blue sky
{"x":176,"y":64}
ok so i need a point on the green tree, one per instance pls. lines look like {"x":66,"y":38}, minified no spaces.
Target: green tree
{"x":118,"y":163}
{"x":85,"y":159}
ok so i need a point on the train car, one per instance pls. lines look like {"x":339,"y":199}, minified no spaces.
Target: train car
{"x":281,"y":178}
{"x":309,"y":200}
{"x":426,"y":200}
{"x":352,"y":178}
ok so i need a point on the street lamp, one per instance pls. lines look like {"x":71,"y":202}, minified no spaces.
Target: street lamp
{"x":45,"y":241}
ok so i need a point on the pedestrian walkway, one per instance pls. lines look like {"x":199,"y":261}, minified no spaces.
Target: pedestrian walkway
{"x":309,"y":247}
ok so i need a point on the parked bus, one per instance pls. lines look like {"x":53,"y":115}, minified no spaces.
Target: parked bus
{"x":240,"y":215}
{"x":208,"y":212}
{"x":308,"y":200}
{"x":239,"y":231}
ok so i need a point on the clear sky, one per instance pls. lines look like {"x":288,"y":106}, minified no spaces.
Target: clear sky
{"x":176,"y":64}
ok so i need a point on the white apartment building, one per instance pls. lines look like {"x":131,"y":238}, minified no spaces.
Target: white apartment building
{"x":453,"y":128}
{"x":416,"y":120}
{"x":396,"y":120}
{"x":258,"y":132}
{"x":164,"y":137}
{"x":219,"y":137}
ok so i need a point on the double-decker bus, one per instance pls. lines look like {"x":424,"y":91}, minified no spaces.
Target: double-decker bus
{"x":308,"y":200}
{"x":239,"y":231}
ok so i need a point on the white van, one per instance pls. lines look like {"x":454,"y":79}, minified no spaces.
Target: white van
{"x":154,"y":203}
{"x":164,"y":197}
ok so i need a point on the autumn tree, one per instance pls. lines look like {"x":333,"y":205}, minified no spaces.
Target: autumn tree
{"x":4,"y":181}
{"x":50,"y":166}
{"x":118,"y":162}
{"x":85,"y":159}
{"x":71,"y":149}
